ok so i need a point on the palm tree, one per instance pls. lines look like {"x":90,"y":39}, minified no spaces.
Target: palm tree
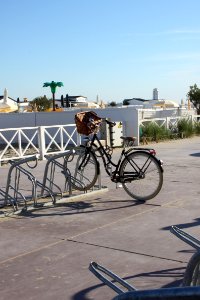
{"x":53,"y":85}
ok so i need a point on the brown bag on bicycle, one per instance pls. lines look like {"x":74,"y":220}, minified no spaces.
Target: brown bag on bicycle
{"x":87,"y":122}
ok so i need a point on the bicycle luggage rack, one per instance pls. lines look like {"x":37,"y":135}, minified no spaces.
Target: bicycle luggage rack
{"x":131,"y":293}
{"x":18,"y":170}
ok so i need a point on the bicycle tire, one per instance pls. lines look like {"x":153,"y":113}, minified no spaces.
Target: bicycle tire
{"x":192,"y":271}
{"x":142,"y":187}
{"x":85,"y":178}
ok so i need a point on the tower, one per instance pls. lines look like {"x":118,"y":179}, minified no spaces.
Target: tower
{"x":155,"y":94}
{"x":5,"y":97}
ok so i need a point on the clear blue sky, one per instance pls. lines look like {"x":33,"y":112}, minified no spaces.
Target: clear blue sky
{"x":116,"y":49}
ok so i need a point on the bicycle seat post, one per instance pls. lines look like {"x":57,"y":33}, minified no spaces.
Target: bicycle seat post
{"x":86,"y":140}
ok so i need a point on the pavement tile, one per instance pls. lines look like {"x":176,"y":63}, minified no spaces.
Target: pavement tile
{"x":45,"y":253}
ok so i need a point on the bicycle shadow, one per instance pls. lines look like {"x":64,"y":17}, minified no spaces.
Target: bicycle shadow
{"x":79,"y":207}
{"x":171,"y":273}
{"x":183,"y":226}
{"x":195,"y":223}
{"x":195,"y":154}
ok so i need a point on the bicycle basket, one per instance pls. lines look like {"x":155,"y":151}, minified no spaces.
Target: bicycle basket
{"x":87,"y":122}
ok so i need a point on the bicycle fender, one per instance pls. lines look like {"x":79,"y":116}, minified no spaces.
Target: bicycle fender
{"x":160,"y":162}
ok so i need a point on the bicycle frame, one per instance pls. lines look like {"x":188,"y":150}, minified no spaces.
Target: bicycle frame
{"x":115,"y":177}
{"x":106,"y":157}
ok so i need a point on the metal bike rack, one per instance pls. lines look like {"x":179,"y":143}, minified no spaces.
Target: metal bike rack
{"x":12,"y":201}
{"x":49,"y":172}
{"x":14,"y":195}
{"x":13,"y":183}
{"x":100,"y":272}
{"x":186,"y":237}
{"x":174,"y":293}
{"x":126,"y":291}
{"x":53,"y":162}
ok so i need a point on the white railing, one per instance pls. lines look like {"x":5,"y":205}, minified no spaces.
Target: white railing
{"x":22,"y":142}
{"x":168,"y":122}
{"x":17,"y":143}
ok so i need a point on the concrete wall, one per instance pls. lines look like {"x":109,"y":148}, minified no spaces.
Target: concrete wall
{"x":128,"y":115}
{"x":16,"y":120}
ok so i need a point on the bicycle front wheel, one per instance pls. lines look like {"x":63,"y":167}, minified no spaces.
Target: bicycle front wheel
{"x":192,"y":272}
{"x":141,"y":175}
{"x":85,"y":170}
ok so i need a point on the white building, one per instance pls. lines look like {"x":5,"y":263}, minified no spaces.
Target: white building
{"x":77,"y":101}
{"x":142,"y":103}
{"x":135,"y":101}
{"x":7,"y":104}
{"x":153,"y":103}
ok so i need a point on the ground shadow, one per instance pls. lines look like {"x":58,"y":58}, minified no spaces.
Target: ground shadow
{"x":195,"y":154}
{"x":79,"y":207}
{"x":195,"y":223}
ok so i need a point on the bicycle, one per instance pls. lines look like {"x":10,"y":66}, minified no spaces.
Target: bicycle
{"x":138,"y":169}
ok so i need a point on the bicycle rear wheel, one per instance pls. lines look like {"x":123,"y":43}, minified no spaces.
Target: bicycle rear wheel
{"x":192,"y":272}
{"x":85,"y":171}
{"x":141,"y":175}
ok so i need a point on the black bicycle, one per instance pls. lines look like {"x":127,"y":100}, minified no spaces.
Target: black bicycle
{"x":138,"y":170}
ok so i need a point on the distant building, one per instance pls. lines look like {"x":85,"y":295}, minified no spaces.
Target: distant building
{"x":152,"y":103}
{"x":24,"y":106}
{"x":72,"y":100}
{"x":77,"y":101}
{"x":7,"y":104}
{"x":162,"y":104}
{"x":142,"y":103}
{"x":155,"y":94}
{"x":134,"y":101}
{"x":10,"y":100}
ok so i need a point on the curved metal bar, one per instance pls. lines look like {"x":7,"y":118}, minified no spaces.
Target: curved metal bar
{"x":177,"y":293}
{"x":100,"y":272}
{"x":185,"y":237}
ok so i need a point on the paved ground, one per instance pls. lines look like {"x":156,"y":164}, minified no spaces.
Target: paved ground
{"x":45,"y":253}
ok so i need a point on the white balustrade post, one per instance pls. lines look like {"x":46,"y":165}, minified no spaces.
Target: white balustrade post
{"x":61,"y":139}
{"x":19,"y":142}
{"x":138,"y":128}
{"x":41,"y":141}
{"x":167,"y":122}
